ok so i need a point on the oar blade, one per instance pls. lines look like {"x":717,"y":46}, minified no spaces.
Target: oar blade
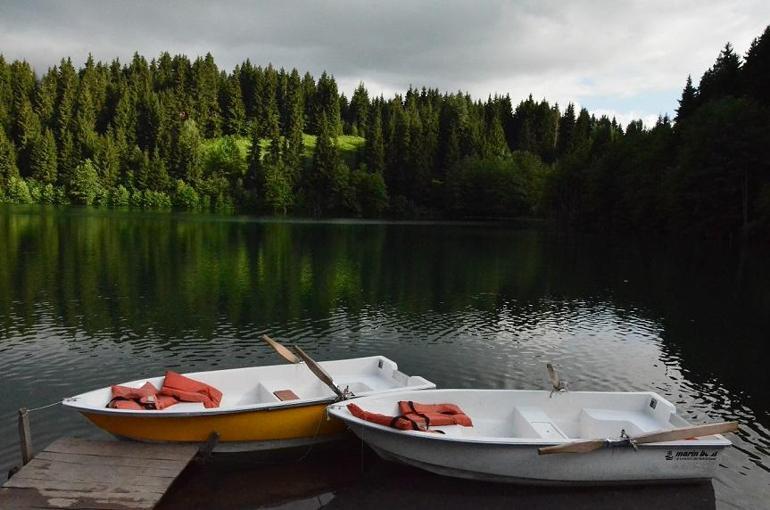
{"x":318,"y":370}
{"x":573,"y":447}
{"x":681,"y":433}
{"x":282,"y":350}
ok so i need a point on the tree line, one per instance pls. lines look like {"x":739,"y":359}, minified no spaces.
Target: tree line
{"x":185,"y":134}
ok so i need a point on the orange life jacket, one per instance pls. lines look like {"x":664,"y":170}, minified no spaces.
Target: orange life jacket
{"x":189,"y":390}
{"x":434,"y":414}
{"x":129,"y":393}
{"x":416,"y":416}
{"x":145,"y":397}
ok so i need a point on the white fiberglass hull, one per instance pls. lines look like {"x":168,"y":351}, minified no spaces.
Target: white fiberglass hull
{"x":486,"y":452}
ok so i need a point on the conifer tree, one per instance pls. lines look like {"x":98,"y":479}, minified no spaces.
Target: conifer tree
{"x":375,"y":148}
{"x":756,"y":69}
{"x":723,"y":78}
{"x":8,"y":168}
{"x":273,"y":134}
{"x":44,"y":158}
{"x":107,"y":162}
{"x":566,"y":135}
{"x":359,"y":109}
{"x":233,"y":108}
{"x":5,"y":94}
{"x":205,"y":78}
{"x":294,"y":145}
{"x":189,"y":152}
{"x":309,"y":102}
{"x":327,"y":105}
{"x":322,"y":175}
{"x":26,"y":131}
{"x":688,"y":101}
{"x":255,"y":171}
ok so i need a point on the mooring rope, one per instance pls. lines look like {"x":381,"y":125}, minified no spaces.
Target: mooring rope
{"x":44,"y":407}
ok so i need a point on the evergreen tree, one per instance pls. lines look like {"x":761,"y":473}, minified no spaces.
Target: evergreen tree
{"x":107,"y":162}
{"x":5,"y":95}
{"x":566,"y":134}
{"x":273,"y":134}
{"x":278,"y":195}
{"x":8,"y":168}
{"x":688,"y":102}
{"x":255,"y":176}
{"x":232,"y":106}
{"x":190,"y":164}
{"x":327,"y":105}
{"x":321,"y":182}
{"x":205,"y":84}
{"x":84,"y":187}
{"x":756,"y":69}
{"x":723,"y":79}
{"x":294,"y":144}
{"x":309,"y":101}
{"x":375,"y":148}
{"x":359,"y":110}
{"x":43,"y":158}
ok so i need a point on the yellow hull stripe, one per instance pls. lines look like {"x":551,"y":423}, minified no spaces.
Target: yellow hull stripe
{"x":268,"y":425}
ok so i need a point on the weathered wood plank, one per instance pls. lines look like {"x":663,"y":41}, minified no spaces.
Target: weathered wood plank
{"x":118,"y":480}
{"x":63,"y":485}
{"x":114,"y":475}
{"x":91,"y":472}
{"x":123,"y":449}
{"x":93,"y":460}
{"x":26,"y":499}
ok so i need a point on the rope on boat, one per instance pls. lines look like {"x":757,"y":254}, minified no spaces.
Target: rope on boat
{"x":313,"y":443}
{"x":44,"y":407}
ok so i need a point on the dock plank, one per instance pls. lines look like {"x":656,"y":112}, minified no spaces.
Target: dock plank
{"x":87,"y":474}
{"x":93,"y":460}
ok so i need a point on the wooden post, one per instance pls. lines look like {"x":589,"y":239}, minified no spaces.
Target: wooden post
{"x":25,"y":436}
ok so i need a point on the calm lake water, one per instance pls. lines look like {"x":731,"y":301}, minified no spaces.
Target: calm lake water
{"x":89,"y":298}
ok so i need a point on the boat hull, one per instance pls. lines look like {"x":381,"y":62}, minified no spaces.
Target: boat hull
{"x":292,"y":426}
{"x":522,"y":464}
{"x":254,"y":412}
{"x":509,"y":426}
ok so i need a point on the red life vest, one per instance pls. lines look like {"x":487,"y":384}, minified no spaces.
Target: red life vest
{"x":189,"y":390}
{"x":416,"y":416}
{"x":145,"y":397}
{"x":434,"y":414}
{"x":176,"y":388}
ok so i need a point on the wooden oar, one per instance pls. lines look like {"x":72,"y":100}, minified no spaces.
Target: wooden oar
{"x":650,"y":437}
{"x":282,"y":351}
{"x":318,"y":371}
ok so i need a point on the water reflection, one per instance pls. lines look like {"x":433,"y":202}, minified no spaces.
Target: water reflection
{"x":90,"y":298}
{"x":353,"y":479}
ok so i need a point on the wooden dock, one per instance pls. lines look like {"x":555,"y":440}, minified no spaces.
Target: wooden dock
{"x":79,"y":473}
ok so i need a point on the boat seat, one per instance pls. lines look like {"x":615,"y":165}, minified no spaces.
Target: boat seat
{"x":534,"y":422}
{"x":285,"y":395}
{"x":609,"y":422}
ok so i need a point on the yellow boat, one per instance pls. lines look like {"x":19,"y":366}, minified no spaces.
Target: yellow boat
{"x":252,"y":414}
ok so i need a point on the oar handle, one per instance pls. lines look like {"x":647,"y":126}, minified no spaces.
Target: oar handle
{"x":318,"y":371}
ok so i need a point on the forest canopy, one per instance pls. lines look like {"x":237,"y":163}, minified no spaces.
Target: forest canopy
{"x":179,"y":133}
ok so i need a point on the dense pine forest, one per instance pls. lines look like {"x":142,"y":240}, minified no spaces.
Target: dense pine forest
{"x":175,"y":133}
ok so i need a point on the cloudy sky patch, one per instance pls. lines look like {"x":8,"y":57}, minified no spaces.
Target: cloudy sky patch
{"x":624,"y":58}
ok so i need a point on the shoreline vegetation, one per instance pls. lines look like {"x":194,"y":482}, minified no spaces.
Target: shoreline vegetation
{"x":173,"y":133}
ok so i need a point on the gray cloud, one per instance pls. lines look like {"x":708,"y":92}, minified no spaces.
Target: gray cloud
{"x":603,"y":53}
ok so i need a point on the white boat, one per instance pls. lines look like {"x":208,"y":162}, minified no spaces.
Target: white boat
{"x":511,"y":426}
{"x":261,"y":407}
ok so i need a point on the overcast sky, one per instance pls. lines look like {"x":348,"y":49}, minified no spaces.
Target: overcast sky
{"x":625,"y":58}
